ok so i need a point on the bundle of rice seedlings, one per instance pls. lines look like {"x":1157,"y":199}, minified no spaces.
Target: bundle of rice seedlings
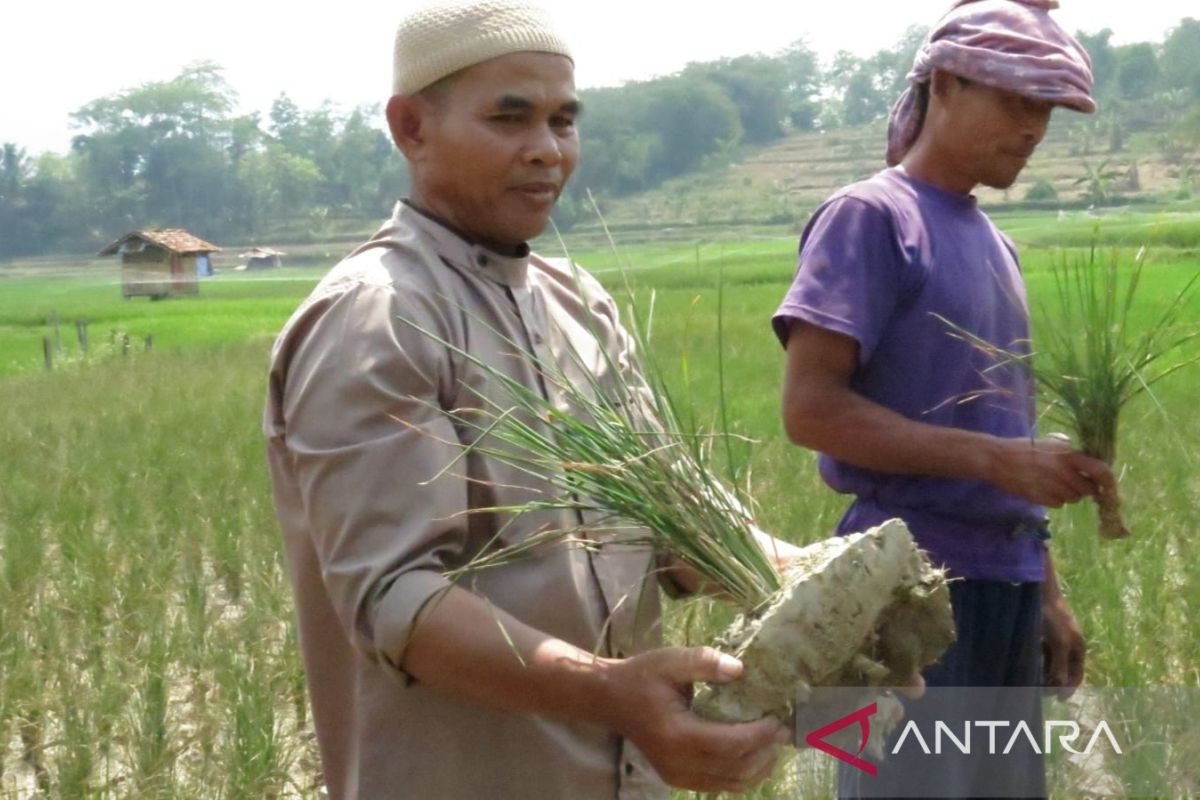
{"x":1090,"y":359}
{"x":865,"y":610}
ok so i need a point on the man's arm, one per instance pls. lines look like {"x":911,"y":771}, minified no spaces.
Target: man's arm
{"x":462,"y":646}
{"x":822,"y":412}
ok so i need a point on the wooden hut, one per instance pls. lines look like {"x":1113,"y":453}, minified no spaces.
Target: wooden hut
{"x":161,"y":262}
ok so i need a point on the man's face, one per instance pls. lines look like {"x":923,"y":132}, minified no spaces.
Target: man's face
{"x":498,"y":144}
{"x":993,"y":132}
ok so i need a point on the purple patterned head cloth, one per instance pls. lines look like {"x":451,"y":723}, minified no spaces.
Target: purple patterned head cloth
{"x":1009,"y":44}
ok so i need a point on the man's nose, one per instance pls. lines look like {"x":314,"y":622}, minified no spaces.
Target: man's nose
{"x":543,"y":146}
{"x":1034,"y":124}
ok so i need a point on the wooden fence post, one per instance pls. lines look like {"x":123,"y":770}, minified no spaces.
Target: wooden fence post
{"x":57,"y":331}
{"x":48,"y":352}
{"x":149,"y":342}
{"x":125,"y":344}
{"x":82,"y":335}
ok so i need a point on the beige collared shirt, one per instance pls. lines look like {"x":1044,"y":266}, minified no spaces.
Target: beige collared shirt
{"x":368,"y":535}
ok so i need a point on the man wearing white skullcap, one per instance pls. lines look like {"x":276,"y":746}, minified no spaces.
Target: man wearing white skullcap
{"x":912,"y":419}
{"x":543,"y":678}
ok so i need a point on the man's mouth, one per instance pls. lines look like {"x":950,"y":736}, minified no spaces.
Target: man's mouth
{"x":541,"y":191}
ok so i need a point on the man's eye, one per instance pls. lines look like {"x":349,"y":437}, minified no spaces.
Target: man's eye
{"x":506,"y":118}
{"x":562,"y":122}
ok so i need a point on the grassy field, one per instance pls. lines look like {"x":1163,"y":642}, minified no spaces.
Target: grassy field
{"x":146,"y":640}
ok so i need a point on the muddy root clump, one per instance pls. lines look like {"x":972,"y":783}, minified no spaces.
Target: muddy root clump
{"x":864,"y":610}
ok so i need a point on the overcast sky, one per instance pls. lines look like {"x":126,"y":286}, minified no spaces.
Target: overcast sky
{"x":55,"y":56}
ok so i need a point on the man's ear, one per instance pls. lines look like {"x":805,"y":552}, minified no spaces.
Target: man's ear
{"x":408,"y":118}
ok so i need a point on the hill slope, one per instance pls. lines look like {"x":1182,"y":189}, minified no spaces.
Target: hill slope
{"x":780,"y":185}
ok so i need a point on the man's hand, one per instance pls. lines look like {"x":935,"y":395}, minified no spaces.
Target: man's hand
{"x":1064,"y":649}
{"x":649,"y":696}
{"x":1048,"y":471}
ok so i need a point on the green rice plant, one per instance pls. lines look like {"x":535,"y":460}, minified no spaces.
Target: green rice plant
{"x":151,"y":757}
{"x":253,"y":750}
{"x":75,"y":761}
{"x":1092,"y":358}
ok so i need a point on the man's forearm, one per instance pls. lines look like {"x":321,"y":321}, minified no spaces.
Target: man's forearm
{"x":460,"y":645}
{"x":846,"y":426}
{"x":1051,"y":591}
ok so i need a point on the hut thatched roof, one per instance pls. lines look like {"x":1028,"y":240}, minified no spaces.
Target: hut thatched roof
{"x":176,"y":240}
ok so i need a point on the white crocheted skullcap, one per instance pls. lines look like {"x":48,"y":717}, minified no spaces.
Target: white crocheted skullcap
{"x":441,"y":40}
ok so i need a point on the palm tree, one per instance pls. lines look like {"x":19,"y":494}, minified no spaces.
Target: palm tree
{"x":1097,"y":181}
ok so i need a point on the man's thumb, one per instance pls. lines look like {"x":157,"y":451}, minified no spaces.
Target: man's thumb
{"x":707,"y":664}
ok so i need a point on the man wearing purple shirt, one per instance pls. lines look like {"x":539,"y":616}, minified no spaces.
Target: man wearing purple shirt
{"x":913,"y":421}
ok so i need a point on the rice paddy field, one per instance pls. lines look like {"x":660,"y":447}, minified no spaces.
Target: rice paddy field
{"x":147,"y":647}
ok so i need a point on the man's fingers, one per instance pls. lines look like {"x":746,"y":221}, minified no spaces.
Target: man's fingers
{"x":915,"y":688}
{"x":724,"y":771}
{"x":768,"y":769}
{"x":734,"y":742}
{"x":750,"y":770}
{"x":762,"y":768}
{"x":1055,"y":665}
{"x":1075,"y":667}
{"x":1056,"y":442}
{"x":1100,"y":476}
{"x":1078,"y":484}
{"x":1097,"y":475}
{"x":699,"y":664}
{"x":762,"y":764}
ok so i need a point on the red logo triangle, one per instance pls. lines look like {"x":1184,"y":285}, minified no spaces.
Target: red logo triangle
{"x":863,"y":718}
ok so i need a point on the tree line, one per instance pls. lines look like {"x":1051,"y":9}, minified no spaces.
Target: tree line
{"x":175,"y":153}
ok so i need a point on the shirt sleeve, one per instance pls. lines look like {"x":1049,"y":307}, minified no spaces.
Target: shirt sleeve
{"x":361,"y":400}
{"x":849,"y":276}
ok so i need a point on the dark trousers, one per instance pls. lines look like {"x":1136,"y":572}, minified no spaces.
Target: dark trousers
{"x":998,"y":645}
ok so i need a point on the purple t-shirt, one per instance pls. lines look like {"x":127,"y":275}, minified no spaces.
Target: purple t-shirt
{"x":880,"y":261}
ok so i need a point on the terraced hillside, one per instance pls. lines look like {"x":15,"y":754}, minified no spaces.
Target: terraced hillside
{"x":780,"y":185}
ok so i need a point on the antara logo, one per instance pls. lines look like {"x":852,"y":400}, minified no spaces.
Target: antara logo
{"x":1021,"y":736}
{"x":862,"y":717}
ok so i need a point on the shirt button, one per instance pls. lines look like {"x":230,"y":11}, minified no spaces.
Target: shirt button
{"x":628,"y":768}
{"x":481,"y":260}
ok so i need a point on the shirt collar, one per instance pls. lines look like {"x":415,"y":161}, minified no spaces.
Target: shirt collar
{"x":509,"y":270}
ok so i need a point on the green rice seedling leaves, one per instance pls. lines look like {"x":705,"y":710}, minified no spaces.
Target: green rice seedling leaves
{"x":1092,"y":358}
{"x":622,"y":455}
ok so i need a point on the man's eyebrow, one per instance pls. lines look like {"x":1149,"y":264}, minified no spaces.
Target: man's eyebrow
{"x":512,"y":102}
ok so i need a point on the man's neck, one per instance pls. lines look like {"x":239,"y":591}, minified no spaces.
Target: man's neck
{"x":416,"y":203}
{"x":947,"y":182}
{"x":926,"y":166}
